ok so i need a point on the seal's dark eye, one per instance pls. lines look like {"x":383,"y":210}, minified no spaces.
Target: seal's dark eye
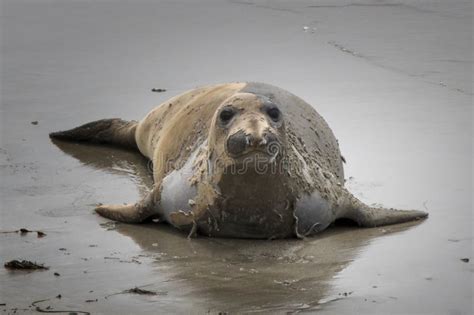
{"x":274,"y":113}
{"x":226,"y":115}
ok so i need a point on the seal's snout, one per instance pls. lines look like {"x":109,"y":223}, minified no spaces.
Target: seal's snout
{"x":237,"y":143}
{"x":241,"y":143}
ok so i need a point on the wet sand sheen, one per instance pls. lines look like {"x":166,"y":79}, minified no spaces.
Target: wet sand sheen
{"x":400,"y":108}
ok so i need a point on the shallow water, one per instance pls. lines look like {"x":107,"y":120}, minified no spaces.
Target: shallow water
{"x":393,"y":80}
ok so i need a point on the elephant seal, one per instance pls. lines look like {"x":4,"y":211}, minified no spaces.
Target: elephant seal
{"x":245,"y":160}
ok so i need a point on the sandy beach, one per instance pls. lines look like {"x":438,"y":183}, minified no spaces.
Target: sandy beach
{"x":392,"y":78}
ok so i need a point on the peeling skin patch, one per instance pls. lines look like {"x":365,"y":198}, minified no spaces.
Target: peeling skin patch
{"x":305,"y":169}
{"x":169,"y":134}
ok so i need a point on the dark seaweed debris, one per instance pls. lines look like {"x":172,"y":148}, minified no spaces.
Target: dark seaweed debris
{"x":137,"y":290}
{"x":48,"y":308}
{"x":91,"y":301}
{"x":24,"y":231}
{"x":24,"y":265}
{"x":158,"y":90}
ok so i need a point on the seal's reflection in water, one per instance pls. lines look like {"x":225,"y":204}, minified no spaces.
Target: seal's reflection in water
{"x":257,"y":275}
{"x":232,"y":274}
{"x":112,"y":160}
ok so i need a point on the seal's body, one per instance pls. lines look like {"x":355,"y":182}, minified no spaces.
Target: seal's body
{"x":243,"y":160}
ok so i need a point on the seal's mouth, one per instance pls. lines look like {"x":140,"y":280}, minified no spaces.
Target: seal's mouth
{"x":255,"y":162}
{"x":257,"y":155}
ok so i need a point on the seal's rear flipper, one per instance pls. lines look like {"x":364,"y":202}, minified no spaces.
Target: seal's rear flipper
{"x":111,"y":131}
{"x":371,"y":217}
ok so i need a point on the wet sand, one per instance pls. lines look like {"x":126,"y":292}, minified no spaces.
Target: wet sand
{"x":393,"y":80}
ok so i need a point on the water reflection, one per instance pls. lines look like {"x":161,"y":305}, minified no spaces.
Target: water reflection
{"x":231,"y":274}
{"x":111,"y":160}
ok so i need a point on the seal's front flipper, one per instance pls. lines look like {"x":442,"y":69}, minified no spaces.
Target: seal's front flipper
{"x":371,"y":217}
{"x":131,"y":213}
{"x":128,"y":213}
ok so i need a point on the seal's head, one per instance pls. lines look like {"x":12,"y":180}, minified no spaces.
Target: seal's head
{"x":246,"y":148}
{"x":247,"y":128}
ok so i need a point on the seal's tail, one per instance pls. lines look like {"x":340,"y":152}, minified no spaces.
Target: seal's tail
{"x":113,"y":131}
